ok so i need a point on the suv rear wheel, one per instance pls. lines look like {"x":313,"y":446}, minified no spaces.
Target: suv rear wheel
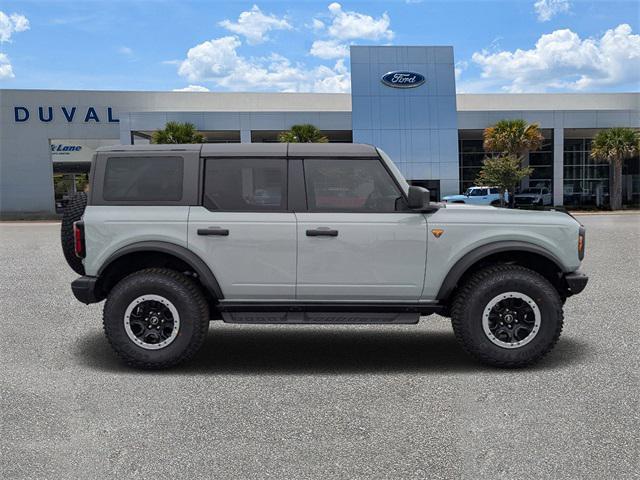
{"x":507,"y":316}
{"x":156,"y":318}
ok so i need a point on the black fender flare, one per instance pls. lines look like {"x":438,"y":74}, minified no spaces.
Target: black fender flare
{"x":206,"y":276}
{"x":461,"y":266}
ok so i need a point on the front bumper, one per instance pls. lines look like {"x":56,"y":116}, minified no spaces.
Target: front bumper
{"x":85,"y":289}
{"x":576,"y":281}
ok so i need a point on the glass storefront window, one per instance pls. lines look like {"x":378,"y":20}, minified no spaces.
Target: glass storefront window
{"x":586,"y":181}
{"x":472,"y":155}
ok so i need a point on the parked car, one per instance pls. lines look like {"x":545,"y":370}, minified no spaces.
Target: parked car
{"x":537,"y":196}
{"x":478,"y":196}
{"x":175,"y":236}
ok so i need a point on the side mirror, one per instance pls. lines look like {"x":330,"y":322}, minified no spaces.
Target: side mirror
{"x":419,"y":198}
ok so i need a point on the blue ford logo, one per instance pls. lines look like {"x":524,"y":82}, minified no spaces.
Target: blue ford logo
{"x":401,"y":79}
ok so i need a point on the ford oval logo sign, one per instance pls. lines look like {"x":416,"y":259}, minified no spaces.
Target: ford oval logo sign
{"x":402,"y":79}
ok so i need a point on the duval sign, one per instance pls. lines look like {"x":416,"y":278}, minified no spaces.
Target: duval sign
{"x":403,"y":79}
{"x":66,"y":113}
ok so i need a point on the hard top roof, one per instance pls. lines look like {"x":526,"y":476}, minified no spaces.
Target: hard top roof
{"x":258,"y":149}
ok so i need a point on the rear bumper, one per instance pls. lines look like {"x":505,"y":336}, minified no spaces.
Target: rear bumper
{"x":85,"y":289}
{"x":576,"y":281}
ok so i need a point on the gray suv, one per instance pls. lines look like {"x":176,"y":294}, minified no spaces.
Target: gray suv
{"x":175,"y":236}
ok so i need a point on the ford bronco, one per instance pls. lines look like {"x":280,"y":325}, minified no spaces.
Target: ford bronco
{"x":175,"y":236}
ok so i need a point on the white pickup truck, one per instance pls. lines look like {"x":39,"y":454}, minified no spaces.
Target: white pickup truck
{"x":175,"y":236}
{"x":478,"y":196}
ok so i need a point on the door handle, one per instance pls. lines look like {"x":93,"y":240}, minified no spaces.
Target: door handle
{"x":213,"y":231}
{"x":322,"y":232}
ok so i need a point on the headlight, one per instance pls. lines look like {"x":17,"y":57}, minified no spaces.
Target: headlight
{"x":581,"y":235}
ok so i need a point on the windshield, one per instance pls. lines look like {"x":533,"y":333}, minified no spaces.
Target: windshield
{"x":475,"y":192}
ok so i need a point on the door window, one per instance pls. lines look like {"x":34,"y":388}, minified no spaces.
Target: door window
{"x":350,"y":186}
{"x":245,"y":185}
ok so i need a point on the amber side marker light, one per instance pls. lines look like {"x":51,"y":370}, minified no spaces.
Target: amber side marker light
{"x":437,"y":232}
{"x":581,"y":243}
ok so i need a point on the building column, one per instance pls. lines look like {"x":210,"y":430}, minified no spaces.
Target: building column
{"x":558,"y":166}
{"x":125,"y":130}
{"x":245,"y":136}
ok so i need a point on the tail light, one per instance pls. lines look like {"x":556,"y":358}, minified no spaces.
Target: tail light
{"x":78,"y":235}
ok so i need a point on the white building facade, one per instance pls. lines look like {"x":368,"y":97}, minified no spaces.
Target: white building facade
{"x":403,"y":99}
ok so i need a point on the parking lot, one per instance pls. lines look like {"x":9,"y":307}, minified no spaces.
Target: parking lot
{"x":317,"y":401}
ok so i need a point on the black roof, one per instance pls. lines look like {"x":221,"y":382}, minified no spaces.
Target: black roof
{"x":258,"y":149}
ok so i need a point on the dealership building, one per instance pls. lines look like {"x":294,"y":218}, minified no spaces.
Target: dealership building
{"x":434,"y":135}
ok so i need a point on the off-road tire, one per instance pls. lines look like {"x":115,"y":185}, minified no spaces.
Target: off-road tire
{"x":72,"y":213}
{"x":471,"y":300}
{"x":182,"y":292}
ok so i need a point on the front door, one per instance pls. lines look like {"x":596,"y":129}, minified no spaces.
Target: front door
{"x":358,"y":241}
{"x":243,"y":229}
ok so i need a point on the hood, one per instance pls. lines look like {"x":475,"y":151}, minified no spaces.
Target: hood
{"x":479,"y":214}
{"x":455,"y":197}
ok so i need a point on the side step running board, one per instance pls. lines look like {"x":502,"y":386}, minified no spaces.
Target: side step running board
{"x":325,"y":313}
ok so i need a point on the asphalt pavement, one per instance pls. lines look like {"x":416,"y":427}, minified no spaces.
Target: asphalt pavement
{"x":317,"y":401}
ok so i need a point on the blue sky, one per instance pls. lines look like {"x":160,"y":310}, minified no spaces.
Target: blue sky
{"x":514,"y":46}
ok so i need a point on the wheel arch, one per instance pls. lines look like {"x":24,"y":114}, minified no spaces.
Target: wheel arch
{"x":139,"y":255}
{"x":516,"y":252}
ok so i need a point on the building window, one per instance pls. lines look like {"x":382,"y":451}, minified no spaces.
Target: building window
{"x":271,"y":136}
{"x":586,"y":181}
{"x":542,"y":163}
{"x":472,"y":155}
{"x":139,"y":137}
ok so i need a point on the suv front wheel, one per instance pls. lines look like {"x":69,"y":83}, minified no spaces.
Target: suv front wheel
{"x":507,"y":316}
{"x":156,"y":318}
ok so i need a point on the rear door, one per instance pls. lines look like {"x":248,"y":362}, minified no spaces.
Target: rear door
{"x":244,"y":229}
{"x":357,"y":240}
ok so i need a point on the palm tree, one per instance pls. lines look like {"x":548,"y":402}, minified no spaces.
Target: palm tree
{"x":304,"y":133}
{"x":614,"y":146}
{"x":513,"y":139}
{"x":176,"y":132}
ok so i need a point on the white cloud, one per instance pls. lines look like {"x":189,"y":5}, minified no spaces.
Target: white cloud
{"x":329,"y":49}
{"x":332,"y":80}
{"x":547,"y":9}
{"x":192,"y":88}
{"x":347,"y":25}
{"x":317,"y":25}
{"x":561,"y":60}
{"x":254,"y":25}
{"x":219,"y":62}
{"x":125,"y":51}
{"x":210,"y":59}
{"x":10,"y":24}
{"x":6,"y":70}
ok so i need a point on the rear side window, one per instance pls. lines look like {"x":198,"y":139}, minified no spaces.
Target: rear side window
{"x":143,"y":179}
{"x":245,"y":185}
{"x":350,"y":186}
{"x":494,"y":191}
